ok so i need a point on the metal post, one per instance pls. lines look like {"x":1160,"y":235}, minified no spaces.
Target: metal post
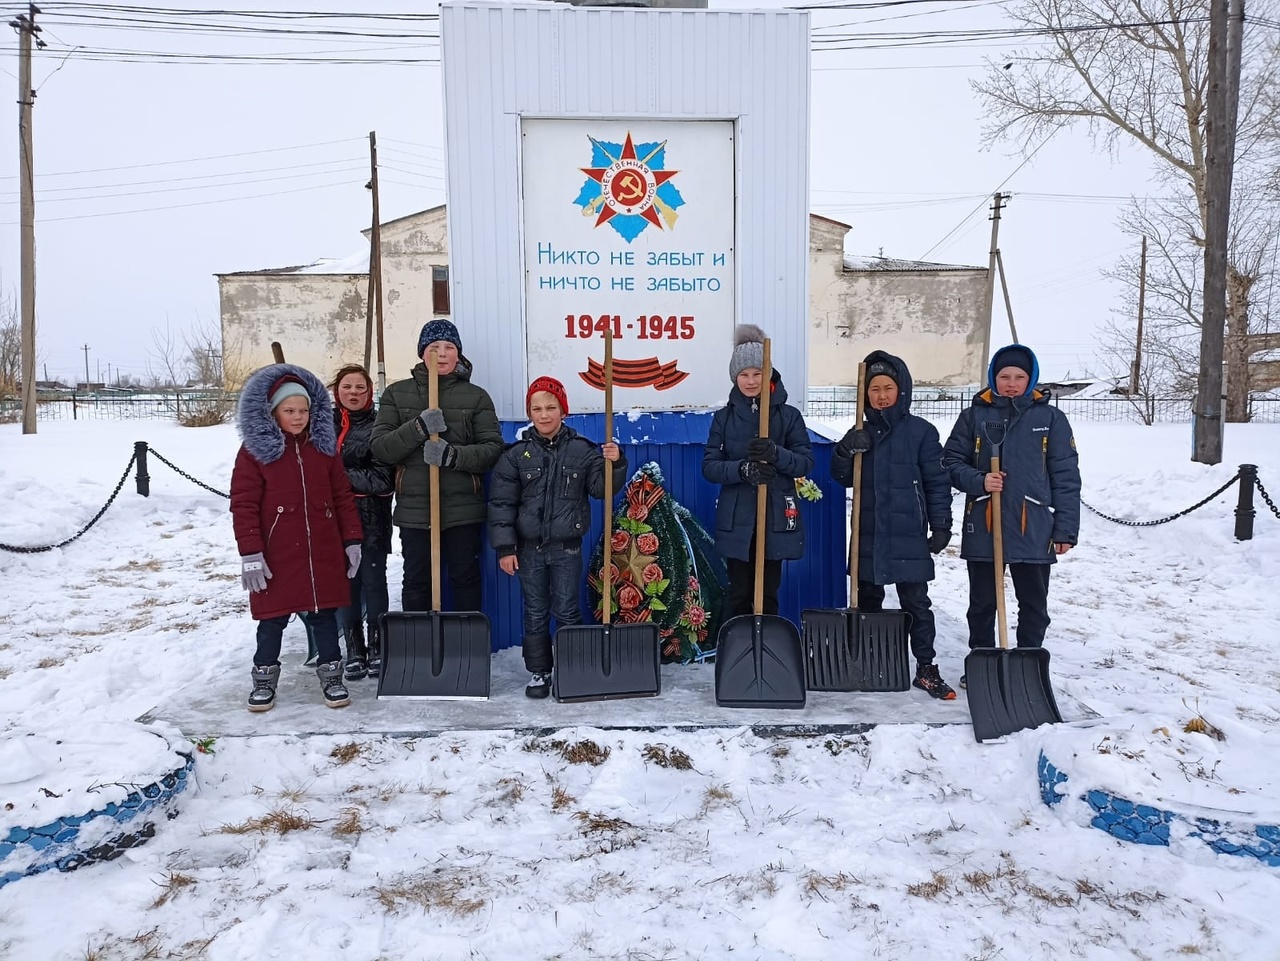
{"x":144,"y":479}
{"x":1244,"y":506}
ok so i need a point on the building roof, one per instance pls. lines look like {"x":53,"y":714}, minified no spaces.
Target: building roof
{"x":857,"y":263}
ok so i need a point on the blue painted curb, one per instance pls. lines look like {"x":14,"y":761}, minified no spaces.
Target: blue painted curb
{"x":1144,"y":824}
{"x":56,"y":842}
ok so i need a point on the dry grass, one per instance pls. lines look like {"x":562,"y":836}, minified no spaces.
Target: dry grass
{"x":665,"y":756}
{"x":47,"y":662}
{"x":1055,"y":898}
{"x":511,"y":790}
{"x":817,"y":885}
{"x":170,"y":887}
{"x":560,"y":798}
{"x":931,"y":889}
{"x":585,"y":752}
{"x":715,"y":796}
{"x":278,"y":821}
{"x":349,"y":825}
{"x":440,"y":890}
{"x":346,"y":753}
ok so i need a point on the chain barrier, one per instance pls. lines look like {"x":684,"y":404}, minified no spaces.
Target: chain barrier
{"x":17,"y":549}
{"x":178,"y":470}
{"x":1164,"y":520}
{"x":1257,"y":481}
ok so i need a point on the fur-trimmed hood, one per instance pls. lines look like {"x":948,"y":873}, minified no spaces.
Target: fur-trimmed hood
{"x":259,"y":432}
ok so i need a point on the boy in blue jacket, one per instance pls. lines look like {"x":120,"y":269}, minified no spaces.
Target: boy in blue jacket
{"x":1039,"y":481}
{"x":906,"y":507}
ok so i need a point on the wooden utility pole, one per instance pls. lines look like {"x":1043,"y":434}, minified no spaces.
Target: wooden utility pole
{"x":1135,"y":372}
{"x":992,"y":267}
{"x":1008,"y":304}
{"x":85,"y":348}
{"x":1221,"y":105}
{"x":373,"y":309}
{"x":28,"y":33}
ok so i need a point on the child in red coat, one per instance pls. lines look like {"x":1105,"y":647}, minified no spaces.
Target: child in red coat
{"x":295,"y":522}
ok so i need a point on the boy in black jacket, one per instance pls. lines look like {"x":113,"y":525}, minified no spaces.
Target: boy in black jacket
{"x":539,"y":511}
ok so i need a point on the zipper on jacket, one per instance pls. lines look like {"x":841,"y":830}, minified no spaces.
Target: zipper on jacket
{"x":1044,"y":453}
{"x":306,"y":519}
{"x":279,"y":512}
{"x":919,"y":503}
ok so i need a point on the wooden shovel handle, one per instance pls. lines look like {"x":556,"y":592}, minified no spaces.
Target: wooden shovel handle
{"x":433,"y":475}
{"x":606,"y":594}
{"x":855,"y":513}
{"x":762,"y":492}
{"x":997,"y":540}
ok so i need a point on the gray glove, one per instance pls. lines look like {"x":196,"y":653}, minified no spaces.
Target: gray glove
{"x":439,"y":453}
{"x":353,"y":561}
{"x":432,"y":421}
{"x":254,"y":572}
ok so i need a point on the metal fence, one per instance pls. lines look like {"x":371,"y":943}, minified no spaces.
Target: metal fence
{"x":841,"y":403}
{"x":170,"y":405}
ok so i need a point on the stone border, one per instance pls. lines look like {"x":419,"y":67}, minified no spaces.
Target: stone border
{"x":65,"y":845}
{"x":1144,"y":824}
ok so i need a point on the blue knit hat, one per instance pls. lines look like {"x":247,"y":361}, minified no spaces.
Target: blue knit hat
{"x":438,"y":329}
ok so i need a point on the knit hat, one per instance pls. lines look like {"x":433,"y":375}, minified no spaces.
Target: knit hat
{"x":882,"y":368}
{"x":290,"y":388}
{"x":438,"y":329}
{"x":547,"y":385}
{"x":748,"y":350}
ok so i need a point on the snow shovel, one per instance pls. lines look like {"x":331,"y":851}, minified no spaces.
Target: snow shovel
{"x":1008,"y":690}
{"x":597,"y":662}
{"x":848,"y":649}
{"x":759,"y":661}
{"x":430,"y":654}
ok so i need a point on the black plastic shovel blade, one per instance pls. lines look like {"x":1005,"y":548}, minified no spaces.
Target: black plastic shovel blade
{"x":759,"y":663}
{"x":600,"y":662}
{"x":1009,"y":690}
{"x":430,"y":654}
{"x":848,"y":650}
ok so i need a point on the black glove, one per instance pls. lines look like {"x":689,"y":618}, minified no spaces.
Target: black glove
{"x":762,"y":449}
{"x":754,"y":472}
{"x":856,"y":441}
{"x":938,"y":540}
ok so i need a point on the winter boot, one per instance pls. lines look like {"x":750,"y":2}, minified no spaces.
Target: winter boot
{"x":263,"y":695}
{"x":335,"y":693}
{"x":539,"y":685}
{"x":312,"y":652}
{"x":374,"y":664}
{"x":356,"y":667}
{"x":929,"y":680}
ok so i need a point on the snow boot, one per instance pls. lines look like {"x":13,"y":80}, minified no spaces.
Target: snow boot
{"x":539,"y":685}
{"x":263,"y":695}
{"x":929,"y":680}
{"x":335,"y":692}
{"x":374,"y":664}
{"x":356,"y":667}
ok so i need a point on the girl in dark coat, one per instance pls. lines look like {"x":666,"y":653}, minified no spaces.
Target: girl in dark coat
{"x":905,"y":496}
{"x":740,"y":461}
{"x":373,"y":483}
{"x":1039,"y":480}
{"x":295,"y":522}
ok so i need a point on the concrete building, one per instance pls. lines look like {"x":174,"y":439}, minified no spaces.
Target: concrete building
{"x":929,"y":314}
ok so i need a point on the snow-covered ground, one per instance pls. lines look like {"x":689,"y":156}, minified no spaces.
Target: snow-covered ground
{"x":907,"y":842}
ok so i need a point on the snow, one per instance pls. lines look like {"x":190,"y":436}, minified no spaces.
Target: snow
{"x":907,"y":841}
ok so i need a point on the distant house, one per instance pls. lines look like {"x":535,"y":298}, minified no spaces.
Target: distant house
{"x":930,"y":314}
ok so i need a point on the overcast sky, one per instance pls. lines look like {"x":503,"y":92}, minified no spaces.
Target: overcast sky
{"x":153,"y":174}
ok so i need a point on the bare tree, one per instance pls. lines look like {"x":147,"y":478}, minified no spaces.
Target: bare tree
{"x":10,"y":346}
{"x":1134,"y":72}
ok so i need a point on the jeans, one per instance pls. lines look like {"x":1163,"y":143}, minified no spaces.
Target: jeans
{"x":742,"y":584}
{"x":369,"y":598}
{"x":460,"y":554}
{"x":1030,"y":584}
{"x":914,"y":598}
{"x":551,"y":584}
{"x":322,"y":626}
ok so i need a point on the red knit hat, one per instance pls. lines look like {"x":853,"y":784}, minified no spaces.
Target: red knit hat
{"x":550,"y":386}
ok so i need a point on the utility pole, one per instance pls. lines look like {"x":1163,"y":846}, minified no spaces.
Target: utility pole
{"x":25,"y":25}
{"x":1221,"y":104}
{"x":1135,"y":372}
{"x":375,"y":261}
{"x":371,"y":186}
{"x":992,"y":267}
{"x":85,"y":348}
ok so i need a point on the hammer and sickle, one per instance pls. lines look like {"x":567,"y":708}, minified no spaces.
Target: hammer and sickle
{"x":631,"y":188}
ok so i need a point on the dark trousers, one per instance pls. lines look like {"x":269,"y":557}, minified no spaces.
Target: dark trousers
{"x":914,"y":598}
{"x":550,"y":581}
{"x":1030,"y":585}
{"x":369,"y":598}
{"x":322,"y":627}
{"x":742,"y":584}
{"x":460,"y":554}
